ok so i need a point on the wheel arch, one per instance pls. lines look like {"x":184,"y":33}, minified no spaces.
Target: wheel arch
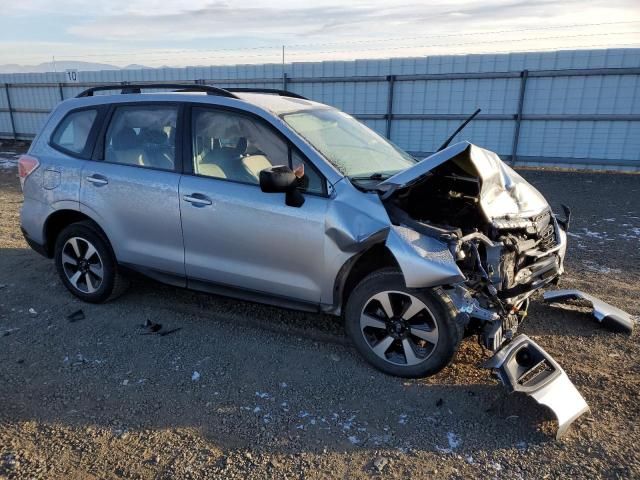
{"x":59,"y":220}
{"x":374,"y":258}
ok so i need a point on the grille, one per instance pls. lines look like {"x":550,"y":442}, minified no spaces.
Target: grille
{"x":548,"y":237}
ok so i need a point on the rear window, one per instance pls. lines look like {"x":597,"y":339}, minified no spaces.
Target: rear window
{"x":73,"y":132}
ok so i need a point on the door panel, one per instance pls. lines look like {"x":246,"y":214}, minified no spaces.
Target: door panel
{"x":250,"y":239}
{"x":140,"y":212}
{"x":133,"y":192}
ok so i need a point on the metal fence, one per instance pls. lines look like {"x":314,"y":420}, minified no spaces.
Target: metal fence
{"x":586,"y":115}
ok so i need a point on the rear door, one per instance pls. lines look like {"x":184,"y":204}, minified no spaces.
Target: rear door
{"x":236,"y":235}
{"x":131,"y":187}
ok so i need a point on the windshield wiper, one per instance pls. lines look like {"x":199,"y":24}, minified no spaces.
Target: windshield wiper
{"x":373,"y":176}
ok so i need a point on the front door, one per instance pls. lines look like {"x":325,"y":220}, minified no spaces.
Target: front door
{"x":236,"y":235}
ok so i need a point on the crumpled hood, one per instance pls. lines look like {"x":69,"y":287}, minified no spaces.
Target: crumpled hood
{"x":503,"y":192}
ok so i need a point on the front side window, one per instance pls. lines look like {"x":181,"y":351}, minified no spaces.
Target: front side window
{"x":353,"y":148}
{"x":73,"y":132}
{"x":143,"y":136}
{"x":234,"y":146}
{"x":310,"y":180}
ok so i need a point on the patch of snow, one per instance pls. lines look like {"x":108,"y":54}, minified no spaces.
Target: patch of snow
{"x":353,"y":439}
{"x":454,"y":440}
{"x":257,"y":410}
{"x":594,"y":267}
{"x":403,"y":419}
{"x":347,"y":424}
{"x":443,"y":450}
{"x":262,"y":395}
{"x":7,"y":163}
{"x":195,"y":376}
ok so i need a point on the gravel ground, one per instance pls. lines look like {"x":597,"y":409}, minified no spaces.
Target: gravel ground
{"x":248,"y":391}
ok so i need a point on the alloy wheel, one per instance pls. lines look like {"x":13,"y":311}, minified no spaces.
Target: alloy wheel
{"x":399,"y":328}
{"x":82,"y":265}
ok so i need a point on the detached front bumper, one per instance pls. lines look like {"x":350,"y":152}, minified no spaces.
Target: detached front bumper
{"x":523,"y":366}
{"x":604,"y":313}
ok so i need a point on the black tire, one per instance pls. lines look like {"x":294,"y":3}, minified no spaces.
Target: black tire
{"x":439,"y":315}
{"x":110,"y":285}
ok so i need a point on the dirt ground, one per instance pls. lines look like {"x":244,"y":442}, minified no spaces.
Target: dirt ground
{"x":249,"y":391}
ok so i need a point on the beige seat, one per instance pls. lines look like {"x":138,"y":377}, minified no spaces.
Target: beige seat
{"x":255,"y":164}
{"x":210,"y":170}
{"x":125,"y":148}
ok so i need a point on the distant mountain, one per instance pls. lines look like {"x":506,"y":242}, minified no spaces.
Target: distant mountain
{"x":64,"y":65}
{"x":135,"y":66}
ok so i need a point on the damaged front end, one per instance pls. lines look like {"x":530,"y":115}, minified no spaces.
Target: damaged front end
{"x":464,"y":221}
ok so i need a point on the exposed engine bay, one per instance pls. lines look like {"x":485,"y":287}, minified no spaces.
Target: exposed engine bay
{"x":500,"y":232}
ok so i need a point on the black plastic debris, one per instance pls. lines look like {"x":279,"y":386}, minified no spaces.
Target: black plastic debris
{"x":76,"y":316}
{"x":153,"y":328}
{"x":169,"y":332}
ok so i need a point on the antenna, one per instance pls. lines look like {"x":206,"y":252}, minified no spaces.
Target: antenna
{"x":459,"y":129}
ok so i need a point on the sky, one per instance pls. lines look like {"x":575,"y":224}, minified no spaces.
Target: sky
{"x":205,"y":32}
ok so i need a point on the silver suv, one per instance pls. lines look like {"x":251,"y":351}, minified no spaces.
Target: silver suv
{"x":267,"y":196}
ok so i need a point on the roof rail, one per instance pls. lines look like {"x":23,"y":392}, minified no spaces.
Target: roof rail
{"x":273,"y":91}
{"x":178,"y":87}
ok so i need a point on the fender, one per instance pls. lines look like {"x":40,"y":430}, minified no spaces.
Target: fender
{"x":424,"y":261}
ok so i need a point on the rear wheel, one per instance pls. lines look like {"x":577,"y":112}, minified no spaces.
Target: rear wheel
{"x":401,"y":331}
{"x":86,"y":264}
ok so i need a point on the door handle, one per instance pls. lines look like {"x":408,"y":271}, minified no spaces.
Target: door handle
{"x":197,"y":199}
{"x":97,"y":180}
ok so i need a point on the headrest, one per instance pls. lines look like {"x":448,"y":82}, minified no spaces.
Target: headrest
{"x":153,"y":136}
{"x":241,"y":146}
{"x":125,"y":139}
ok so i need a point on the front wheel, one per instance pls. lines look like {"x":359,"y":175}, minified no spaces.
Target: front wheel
{"x":401,"y":331}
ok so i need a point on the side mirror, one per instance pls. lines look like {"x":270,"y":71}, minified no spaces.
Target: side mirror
{"x":281,"y":179}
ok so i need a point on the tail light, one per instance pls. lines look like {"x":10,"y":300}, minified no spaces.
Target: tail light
{"x":26,"y":166}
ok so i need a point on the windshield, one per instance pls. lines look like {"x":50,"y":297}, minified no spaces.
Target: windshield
{"x":354,"y":149}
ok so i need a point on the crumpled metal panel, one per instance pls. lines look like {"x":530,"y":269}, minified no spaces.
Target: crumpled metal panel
{"x":550,"y":387}
{"x":503,"y":191}
{"x":351,"y":223}
{"x":602,"y":311}
{"x":424,"y":261}
{"x":354,"y":221}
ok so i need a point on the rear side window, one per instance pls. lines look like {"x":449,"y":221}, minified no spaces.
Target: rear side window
{"x":73,"y":132}
{"x":144,"y":136}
